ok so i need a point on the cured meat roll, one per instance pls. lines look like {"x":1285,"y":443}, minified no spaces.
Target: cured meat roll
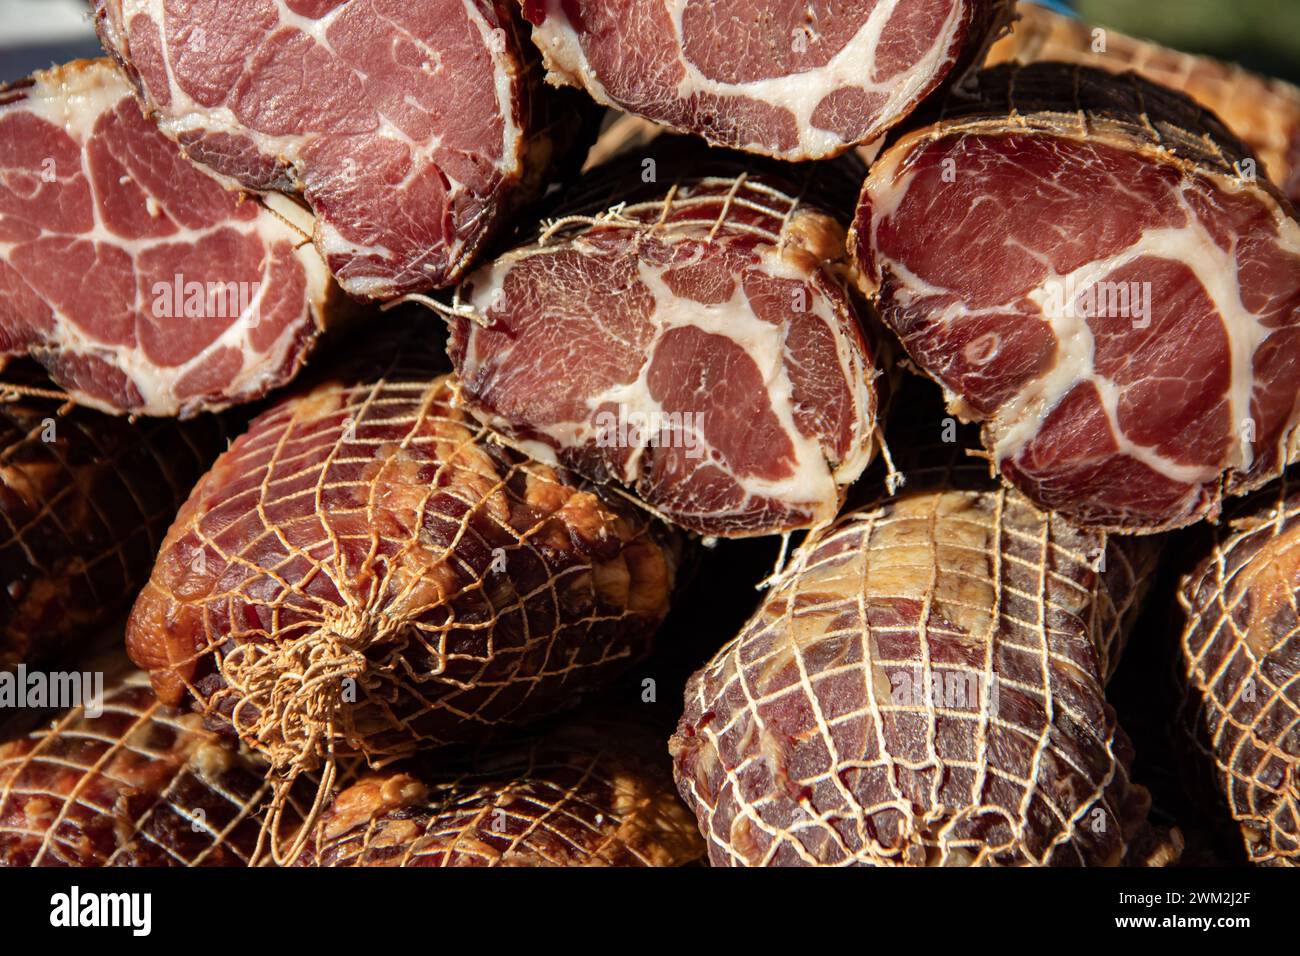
{"x":596,"y":790}
{"x":723,"y":376}
{"x":411,"y":129}
{"x":1263,"y":111}
{"x":364,"y":573}
{"x":791,"y":80}
{"x":140,"y":283}
{"x":85,"y":500}
{"x":1240,"y":671}
{"x":924,"y":687}
{"x":129,"y":782}
{"x":1082,"y":262}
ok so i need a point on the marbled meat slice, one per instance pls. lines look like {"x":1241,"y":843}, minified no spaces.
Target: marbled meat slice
{"x":1082,"y":261}
{"x":697,"y":346}
{"x":142,"y":284}
{"x":785,"y":78}
{"x":411,"y":129}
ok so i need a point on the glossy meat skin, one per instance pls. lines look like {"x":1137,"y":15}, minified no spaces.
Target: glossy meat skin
{"x":1239,"y":668}
{"x":365,"y":573}
{"x":1093,"y":281}
{"x":594,"y":789}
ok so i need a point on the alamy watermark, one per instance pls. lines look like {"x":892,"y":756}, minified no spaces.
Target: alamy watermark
{"x":39,"y":690}
{"x":191,"y":299}
{"x":1102,"y":300}
{"x":948,"y":689}
{"x":76,"y":909}
{"x":633,"y":429}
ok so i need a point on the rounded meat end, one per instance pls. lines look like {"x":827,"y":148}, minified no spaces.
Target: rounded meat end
{"x":890,"y":703}
{"x":364,"y":573}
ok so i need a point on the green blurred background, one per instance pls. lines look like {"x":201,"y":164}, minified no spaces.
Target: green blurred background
{"x":1262,"y":34}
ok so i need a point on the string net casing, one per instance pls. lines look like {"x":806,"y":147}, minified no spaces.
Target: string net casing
{"x":1239,"y":670}
{"x":924,"y":687}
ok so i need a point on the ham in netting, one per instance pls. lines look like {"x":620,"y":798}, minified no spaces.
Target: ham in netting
{"x":1089,"y":267}
{"x":85,"y":500}
{"x":1263,"y":111}
{"x":593,"y":789}
{"x":1239,"y":671}
{"x":695,"y":345}
{"x":789,"y":79}
{"x":139,"y":282}
{"x":124,"y":780}
{"x":366,"y":573}
{"x":924,"y":687}
{"x":408,"y":127}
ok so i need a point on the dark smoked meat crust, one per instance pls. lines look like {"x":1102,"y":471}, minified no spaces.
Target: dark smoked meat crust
{"x":140,"y":785}
{"x":1263,"y":111}
{"x":368,"y":532}
{"x":1239,"y":670}
{"x":925,"y":687}
{"x":85,"y":501}
{"x":1087,"y":103}
{"x":594,"y":789}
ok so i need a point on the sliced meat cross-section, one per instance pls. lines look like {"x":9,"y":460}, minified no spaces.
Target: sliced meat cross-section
{"x":1086,"y":264}
{"x":138,"y":281}
{"x":696,"y":346}
{"x":408,"y":127}
{"x":795,"y":80}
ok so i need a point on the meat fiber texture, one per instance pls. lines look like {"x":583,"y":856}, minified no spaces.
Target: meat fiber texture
{"x":595,"y":789}
{"x":411,"y":129}
{"x":139,"y":282}
{"x":723,"y":375}
{"x":1085,"y":264}
{"x":138,"y":784}
{"x":85,"y":500}
{"x":924,"y":687}
{"x":792,"y":80}
{"x":1263,"y":111}
{"x":364,"y":573}
{"x":1240,"y":671}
